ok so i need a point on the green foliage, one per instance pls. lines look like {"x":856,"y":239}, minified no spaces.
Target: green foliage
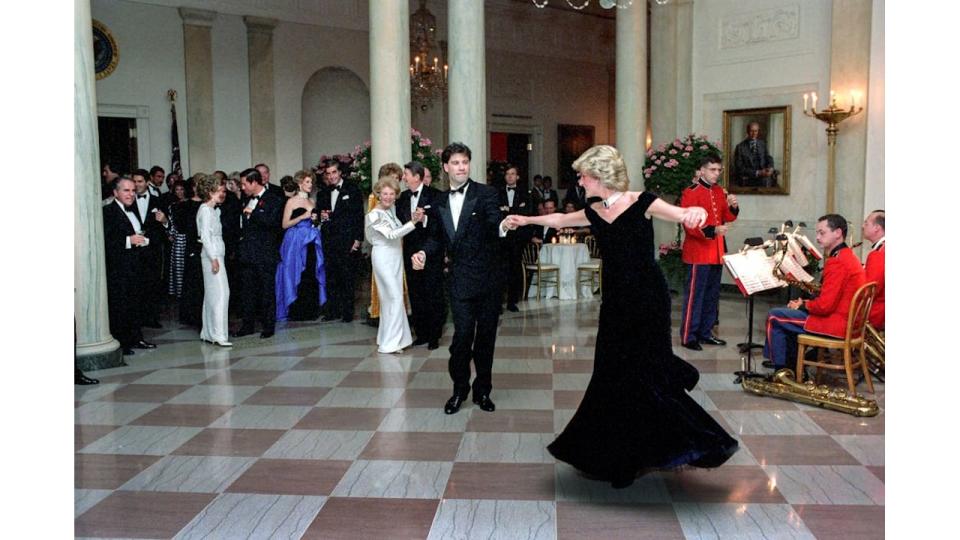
{"x":669,"y":168}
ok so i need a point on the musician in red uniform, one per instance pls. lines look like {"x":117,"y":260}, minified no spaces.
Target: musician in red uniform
{"x":827,"y":313}
{"x":874,"y":231}
{"x":702,"y":251}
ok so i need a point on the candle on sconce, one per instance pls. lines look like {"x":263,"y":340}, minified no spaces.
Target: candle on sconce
{"x":805,"y":96}
{"x":814,"y":97}
{"x":853,"y":102}
{"x":445,"y":71}
{"x":833,"y":99}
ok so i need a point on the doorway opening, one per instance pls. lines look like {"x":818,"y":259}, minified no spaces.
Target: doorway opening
{"x":118,"y":143}
{"x":512,"y":148}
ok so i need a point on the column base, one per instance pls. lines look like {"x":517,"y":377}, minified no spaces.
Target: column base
{"x":93,"y":361}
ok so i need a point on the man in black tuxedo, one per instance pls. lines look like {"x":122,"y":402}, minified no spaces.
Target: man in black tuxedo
{"x":231,"y":210}
{"x":752,"y":164}
{"x":425,"y":286}
{"x":550,"y":194}
{"x":265,"y":175}
{"x":469,"y":238}
{"x":155,"y":225}
{"x":340,"y":206}
{"x":124,"y":244}
{"x":513,"y":200}
{"x":258,"y":253}
{"x":155,"y":180}
{"x":576,"y":195}
{"x":541,"y":234}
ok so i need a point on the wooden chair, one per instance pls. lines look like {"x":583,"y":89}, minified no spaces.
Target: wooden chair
{"x":547,"y":274}
{"x":591,"y":273}
{"x":851,"y":346}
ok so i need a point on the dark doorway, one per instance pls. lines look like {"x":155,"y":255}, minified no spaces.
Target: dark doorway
{"x":118,"y":143}
{"x":512,"y":148}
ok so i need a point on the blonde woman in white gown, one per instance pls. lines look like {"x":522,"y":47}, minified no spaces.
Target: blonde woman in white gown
{"x":216,"y":291}
{"x":384,"y":232}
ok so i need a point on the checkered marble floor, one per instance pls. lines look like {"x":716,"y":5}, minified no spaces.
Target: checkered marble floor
{"x":313,"y":434}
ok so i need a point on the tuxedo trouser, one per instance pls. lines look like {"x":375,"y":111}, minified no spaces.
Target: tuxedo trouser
{"x":153,"y":283}
{"x":474,"y":336}
{"x":258,"y":280}
{"x":123,"y":308}
{"x":783,"y":327}
{"x":341,"y":266}
{"x":701,"y":299}
{"x":426,"y":303}
{"x":513,"y":273}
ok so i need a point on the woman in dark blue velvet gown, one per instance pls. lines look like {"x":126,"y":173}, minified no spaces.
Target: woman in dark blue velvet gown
{"x":636,"y":414}
{"x":301,"y":279}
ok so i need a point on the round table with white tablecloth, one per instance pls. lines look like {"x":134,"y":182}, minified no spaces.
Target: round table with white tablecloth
{"x":568,"y":257}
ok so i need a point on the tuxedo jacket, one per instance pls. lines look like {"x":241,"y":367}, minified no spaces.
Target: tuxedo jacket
{"x":577,"y":195}
{"x":415,"y":241}
{"x":523,"y":206}
{"x":473,"y":249}
{"x":842,"y":276}
{"x":153,"y":229}
{"x":345,"y":225}
{"x":543,"y":233}
{"x":746,"y":163}
{"x":260,"y":231}
{"x":551,"y":195}
{"x":230,"y":216}
{"x":124,"y":265}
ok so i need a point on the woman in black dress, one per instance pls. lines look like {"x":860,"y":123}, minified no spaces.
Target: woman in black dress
{"x":636,"y":414}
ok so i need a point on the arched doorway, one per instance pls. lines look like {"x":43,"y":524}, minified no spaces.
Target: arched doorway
{"x":335,"y":113}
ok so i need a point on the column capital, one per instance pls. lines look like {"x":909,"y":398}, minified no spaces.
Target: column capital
{"x":260,"y":24}
{"x":197,"y":17}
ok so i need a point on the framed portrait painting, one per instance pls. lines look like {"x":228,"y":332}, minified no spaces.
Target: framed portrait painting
{"x":756,"y":149}
{"x":572,"y":140}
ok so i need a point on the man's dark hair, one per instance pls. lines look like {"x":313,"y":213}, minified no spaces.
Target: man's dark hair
{"x":709,"y":159}
{"x":416,"y":168}
{"x":264,"y":165}
{"x":879,"y":218}
{"x":835,"y":221}
{"x":140,"y":172}
{"x":548,"y":178}
{"x":155,"y":168}
{"x":252,"y":175}
{"x":455,"y":148}
{"x":537,"y":177}
{"x":329,"y":162}
{"x":509,"y":166}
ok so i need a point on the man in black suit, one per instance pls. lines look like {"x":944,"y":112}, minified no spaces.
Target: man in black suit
{"x":752,"y":164}
{"x":425,"y":286}
{"x":155,"y":225}
{"x":576,"y":195}
{"x":265,"y":175}
{"x":513,"y":200}
{"x":340,"y":206}
{"x":550,"y":194}
{"x":258,"y":253}
{"x":469,"y":238}
{"x":541,"y":234}
{"x":155,"y":180}
{"x":231,"y":210}
{"x":124,"y":244}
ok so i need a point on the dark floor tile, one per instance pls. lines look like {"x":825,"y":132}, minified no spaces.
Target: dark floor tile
{"x":436,"y":364}
{"x":230,"y":442}
{"x":327,"y":364}
{"x":522,"y":353}
{"x":146,"y":393}
{"x":376,"y":379}
{"x":141,"y":514}
{"x":124,"y":378}
{"x":836,"y":423}
{"x":523,"y":381}
{"x":85,"y":434}
{"x":412,"y":446}
{"x":343,"y":418}
{"x":727,"y":484}
{"x":640,"y":521}
{"x":512,"y":421}
{"x":291,"y":477}
{"x":797,"y":450}
{"x":182,"y":415}
{"x":287,"y":395}
{"x":877,"y":471}
{"x":107,"y":471}
{"x":573,"y":366}
{"x":422,"y":398}
{"x":843,"y":522}
{"x":354,"y":518}
{"x":567,"y":399}
{"x":505,"y":481}
{"x":243,"y":377}
{"x":730,"y":400}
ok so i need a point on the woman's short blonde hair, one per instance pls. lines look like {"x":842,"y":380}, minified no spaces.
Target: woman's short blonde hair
{"x":207,"y":185}
{"x":389,"y":182}
{"x":604,"y":163}
{"x":392,"y":169}
{"x":300,"y":175}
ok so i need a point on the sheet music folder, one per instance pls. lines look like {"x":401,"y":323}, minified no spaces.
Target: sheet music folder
{"x":752,"y":271}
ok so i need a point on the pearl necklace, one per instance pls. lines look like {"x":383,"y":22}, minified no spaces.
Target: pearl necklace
{"x":611,"y":200}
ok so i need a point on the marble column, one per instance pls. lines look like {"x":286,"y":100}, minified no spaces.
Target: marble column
{"x":632,"y":89}
{"x":96,"y":348}
{"x":468,"y":88}
{"x":671,"y":70}
{"x":198,"y":72}
{"x":849,"y":70}
{"x":389,"y":84}
{"x":263,"y":128}
{"x":874,"y":188}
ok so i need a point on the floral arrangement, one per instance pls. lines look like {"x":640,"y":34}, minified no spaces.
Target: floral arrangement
{"x":669,"y":168}
{"x":671,"y":264}
{"x":359,"y":164}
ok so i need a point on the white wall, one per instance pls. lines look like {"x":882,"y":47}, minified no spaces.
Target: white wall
{"x":231,"y":93}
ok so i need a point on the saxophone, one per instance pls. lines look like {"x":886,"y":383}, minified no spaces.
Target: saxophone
{"x":809,"y":287}
{"x":783,"y":385}
{"x":874,"y":348}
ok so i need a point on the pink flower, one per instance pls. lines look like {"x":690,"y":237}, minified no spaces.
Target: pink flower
{"x":414,"y":132}
{"x":661,"y":148}
{"x":653,"y":167}
{"x":425,"y":142}
{"x":704,"y":147}
{"x":686,"y":154}
{"x":646,"y":175}
{"x":689,"y":148}
{"x":366,"y":144}
{"x":673,"y":152}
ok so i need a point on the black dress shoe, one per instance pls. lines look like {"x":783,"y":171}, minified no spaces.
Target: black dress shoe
{"x":328,"y":318}
{"x":433,"y":345}
{"x":153,"y":324}
{"x":144,"y":345}
{"x":266,"y":334}
{"x":713,"y":340}
{"x":693,"y":346}
{"x":84,"y":380}
{"x":417,"y":342}
{"x":243,"y":331}
{"x":453,"y":404}
{"x":127,"y":351}
{"x":513,"y":308}
{"x":484,"y":403}
{"x":348,"y":319}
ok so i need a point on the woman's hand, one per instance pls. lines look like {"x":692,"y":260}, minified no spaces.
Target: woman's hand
{"x":215,"y":266}
{"x":694,"y":217}
{"x":514,"y":221}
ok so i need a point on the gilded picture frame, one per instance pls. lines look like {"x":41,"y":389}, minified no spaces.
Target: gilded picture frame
{"x":757,"y":165}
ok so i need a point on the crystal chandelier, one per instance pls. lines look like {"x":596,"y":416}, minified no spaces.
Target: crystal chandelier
{"x":428,"y":80}
{"x":605,"y":4}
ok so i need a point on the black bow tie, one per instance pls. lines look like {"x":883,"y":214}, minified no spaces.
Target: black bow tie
{"x":336,"y":187}
{"x":461,"y":190}
{"x":131,"y":208}
{"x":144,"y":196}
{"x":414,"y":194}
{"x":511,"y":188}
{"x":255,"y":198}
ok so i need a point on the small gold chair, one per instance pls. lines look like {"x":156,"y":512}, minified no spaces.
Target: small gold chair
{"x":591,"y":273}
{"x":547,"y":274}
{"x":852,"y":345}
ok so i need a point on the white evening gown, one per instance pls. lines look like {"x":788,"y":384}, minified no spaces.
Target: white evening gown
{"x":384,"y":232}
{"x":216,"y":291}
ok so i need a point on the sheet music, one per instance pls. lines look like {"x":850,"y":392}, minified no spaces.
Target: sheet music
{"x":810,"y":247}
{"x":753,"y":271}
{"x":794,"y":249}
{"x":791,"y":267}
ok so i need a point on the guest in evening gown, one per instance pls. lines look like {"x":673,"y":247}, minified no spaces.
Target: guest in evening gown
{"x":635,"y":415}
{"x":211,"y":190}
{"x":301,"y":278}
{"x":191,"y":294}
{"x":384,"y":232}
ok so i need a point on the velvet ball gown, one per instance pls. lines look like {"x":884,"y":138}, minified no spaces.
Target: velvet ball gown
{"x":636,"y":414}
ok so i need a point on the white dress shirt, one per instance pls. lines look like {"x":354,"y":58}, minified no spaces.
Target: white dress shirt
{"x":456,"y":204}
{"x":334,"y":195}
{"x":137,"y":226}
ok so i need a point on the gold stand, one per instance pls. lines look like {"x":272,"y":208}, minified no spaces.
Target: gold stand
{"x":832,"y":116}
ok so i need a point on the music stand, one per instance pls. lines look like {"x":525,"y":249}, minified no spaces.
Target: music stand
{"x":748,"y":346}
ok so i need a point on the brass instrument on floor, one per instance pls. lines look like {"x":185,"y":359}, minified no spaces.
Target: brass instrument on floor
{"x":810,"y":287}
{"x":874,"y":347}
{"x":783,"y":385}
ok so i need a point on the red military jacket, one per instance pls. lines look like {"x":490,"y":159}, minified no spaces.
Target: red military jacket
{"x":703,"y":245}
{"x":842,"y":276}
{"x":875,"y":272}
